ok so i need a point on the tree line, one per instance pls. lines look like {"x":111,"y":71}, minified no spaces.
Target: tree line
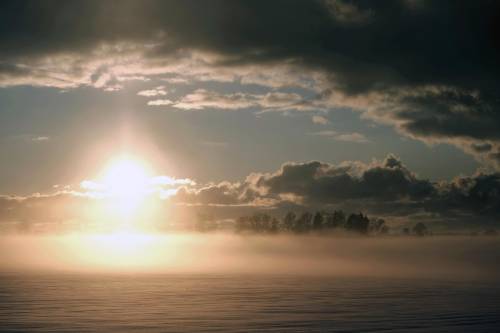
{"x":307,"y":222}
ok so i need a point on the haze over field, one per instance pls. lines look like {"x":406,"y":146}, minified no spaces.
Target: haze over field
{"x":249,"y":165}
{"x":441,"y":258}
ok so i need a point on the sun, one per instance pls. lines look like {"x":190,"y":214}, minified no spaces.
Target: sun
{"x":126,"y":183}
{"x":126,"y":177}
{"x":128,"y":195}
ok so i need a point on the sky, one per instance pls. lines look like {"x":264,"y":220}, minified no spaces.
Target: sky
{"x":390,"y":107}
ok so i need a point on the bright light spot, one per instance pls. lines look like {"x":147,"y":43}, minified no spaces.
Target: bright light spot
{"x":127,"y":196}
{"x":122,"y":245}
{"x":126,"y":178}
{"x":126,"y":182}
{"x":120,"y":250}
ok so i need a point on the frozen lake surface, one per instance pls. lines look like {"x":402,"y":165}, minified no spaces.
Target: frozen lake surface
{"x":31,"y":302}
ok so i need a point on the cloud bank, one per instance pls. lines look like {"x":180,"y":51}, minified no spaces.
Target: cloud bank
{"x":430,"y":70}
{"x":385,"y":188}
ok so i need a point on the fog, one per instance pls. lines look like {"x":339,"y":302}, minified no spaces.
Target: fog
{"x":449,"y":257}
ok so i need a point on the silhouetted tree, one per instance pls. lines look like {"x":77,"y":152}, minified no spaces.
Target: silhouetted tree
{"x":329,"y":221}
{"x":358,"y":223}
{"x":317,"y":221}
{"x":242,"y":224}
{"x":274,"y":225}
{"x":376,"y":225}
{"x":335,"y":220}
{"x":257,"y":223}
{"x":339,"y":218}
{"x":420,"y":229}
{"x":260,"y":222}
{"x":490,"y":232}
{"x":303,"y":223}
{"x":306,"y":222}
{"x":289,"y":221}
{"x":205,"y":222}
{"x":384,"y":230}
{"x":264,"y":222}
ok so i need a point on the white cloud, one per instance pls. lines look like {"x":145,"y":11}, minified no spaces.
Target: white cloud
{"x":329,"y":133}
{"x":347,"y":137}
{"x":320,"y":120}
{"x":352,"y":137}
{"x":91,"y":185}
{"x":158,"y":91}
{"x":176,"y":80}
{"x":161,"y":186}
{"x":40,"y":139}
{"x":204,"y":99}
{"x":169,"y":181}
{"x":160,"y":102}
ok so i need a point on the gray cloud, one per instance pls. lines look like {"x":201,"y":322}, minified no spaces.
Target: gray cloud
{"x":352,"y":137}
{"x":385,"y":188}
{"x":160,"y":102}
{"x":224,"y":193}
{"x":347,"y":13}
{"x":481,"y":147}
{"x":459,"y":38}
{"x":40,"y":139}
{"x":202,"y":99}
{"x":431,"y":70}
{"x":158,"y":91}
{"x":317,"y":182}
{"x":347,"y":137}
{"x":320,"y":120}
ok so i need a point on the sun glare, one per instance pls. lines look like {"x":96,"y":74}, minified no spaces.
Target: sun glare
{"x":128,"y":196}
{"x":126,"y":177}
{"x":126,"y":183}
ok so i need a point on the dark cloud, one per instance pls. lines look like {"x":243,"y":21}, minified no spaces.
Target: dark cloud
{"x":221,"y":194}
{"x":322,"y":183}
{"x":481,"y":147}
{"x":385,"y":187}
{"x":450,"y":113}
{"x":428,"y":68}
{"x":444,"y":43}
{"x":477,"y":196}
